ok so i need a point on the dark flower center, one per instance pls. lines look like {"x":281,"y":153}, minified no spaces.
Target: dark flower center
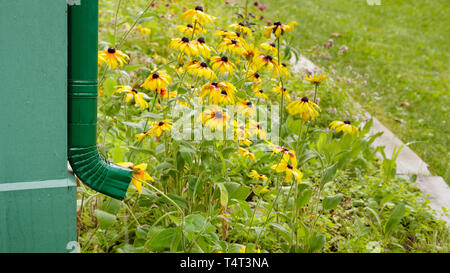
{"x":200,"y":8}
{"x":224,"y":93}
{"x":283,"y":64}
{"x":238,"y":34}
{"x":201,"y":40}
{"x":272,"y":44}
{"x":218,"y":114}
{"x":256,"y":75}
{"x":203,"y":65}
{"x":249,"y":103}
{"x":278,"y":23}
{"x":305,"y":99}
{"x":224,"y":59}
{"x":261,"y":91}
{"x":214,"y":84}
{"x":289,"y":166}
{"x":242,"y":24}
{"x":111,"y":50}
{"x":189,"y":25}
{"x":233,"y":42}
{"x":347,"y":122}
{"x":134,"y":91}
{"x":161,"y":123}
{"x":268,"y":58}
{"x":185,"y":39}
{"x":155,"y":76}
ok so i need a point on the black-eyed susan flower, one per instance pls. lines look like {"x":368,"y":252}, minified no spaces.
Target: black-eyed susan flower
{"x":344,"y":126}
{"x":224,"y":97}
{"x":210,"y":89}
{"x":241,"y":28}
{"x":201,"y":70}
{"x":164,"y":93}
{"x":184,"y":46}
{"x":262,"y":60}
{"x":257,"y":129}
{"x":141,"y":136}
{"x":189,"y":29}
{"x":232,"y":46}
{"x":270,"y":47}
{"x":214,"y":118}
{"x":279,"y":29}
{"x":228,"y":34}
{"x":260,"y":94}
{"x":202,"y":48}
{"x":157,"y":128}
{"x":282,"y":90}
{"x":113,"y":57}
{"x":157,"y":80}
{"x":316,"y":79}
{"x":288,"y":155}
{"x":250,"y":52}
{"x":247,"y":107}
{"x":246,"y":154}
{"x":139,"y":173}
{"x":254,"y":174}
{"x":253,"y":76}
{"x":197,"y":15}
{"x":281,"y":70}
{"x":222,"y":64}
{"x":289,"y":170}
{"x":307,"y":109}
{"x":139,"y":98}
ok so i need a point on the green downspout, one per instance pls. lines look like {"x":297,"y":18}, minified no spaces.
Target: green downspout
{"x":86,"y":161}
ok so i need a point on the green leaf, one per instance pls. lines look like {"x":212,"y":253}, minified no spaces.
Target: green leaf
{"x":161,"y":240}
{"x":105,"y":219}
{"x":223,"y":195}
{"x":331,"y":202}
{"x":317,"y":241}
{"x":180,"y":201}
{"x":303,"y":198}
{"x":397,"y":214}
{"x":328,"y":174}
{"x":117,"y":154}
{"x":111,"y":205}
{"x":109,"y":86}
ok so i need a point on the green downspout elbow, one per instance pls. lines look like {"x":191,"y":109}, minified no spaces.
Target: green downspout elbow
{"x":86,"y":161}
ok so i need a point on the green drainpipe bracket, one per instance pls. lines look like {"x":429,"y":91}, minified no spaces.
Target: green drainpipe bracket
{"x":86,"y":161}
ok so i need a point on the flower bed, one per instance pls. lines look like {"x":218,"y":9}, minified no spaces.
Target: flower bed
{"x":192,"y":99}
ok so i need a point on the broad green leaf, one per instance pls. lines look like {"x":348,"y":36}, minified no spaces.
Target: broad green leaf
{"x":223,"y":195}
{"x":303,"y":198}
{"x":111,"y":205}
{"x":180,"y":201}
{"x":104,"y":218}
{"x":161,"y":240}
{"x":117,"y":154}
{"x":328,"y":174}
{"x":397,"y":214}
{"x":331,"y":202}
{"x":317,"y":241}
{"x":109,"y":86}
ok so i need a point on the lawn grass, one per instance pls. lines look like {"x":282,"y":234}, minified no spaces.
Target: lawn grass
{"x":404,"y":49}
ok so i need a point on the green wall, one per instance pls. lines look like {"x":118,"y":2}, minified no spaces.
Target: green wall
{"x":37,"y":200}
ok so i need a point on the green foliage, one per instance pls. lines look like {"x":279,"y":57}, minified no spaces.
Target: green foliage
{"x":203,"y":200}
